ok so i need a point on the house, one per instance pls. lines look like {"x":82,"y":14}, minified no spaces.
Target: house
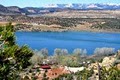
{"x":45,"y":66}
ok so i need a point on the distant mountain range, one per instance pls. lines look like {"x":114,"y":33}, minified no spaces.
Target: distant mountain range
{"x":85,"y":6}
{"x":14,"y":10}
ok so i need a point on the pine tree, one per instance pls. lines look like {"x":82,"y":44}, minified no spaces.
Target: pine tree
{"x":13,"y":58}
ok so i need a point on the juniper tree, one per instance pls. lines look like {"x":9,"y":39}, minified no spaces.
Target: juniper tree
{"x":13,"y":58}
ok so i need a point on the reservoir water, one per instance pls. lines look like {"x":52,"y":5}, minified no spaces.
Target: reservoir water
{"x":68,"y":40}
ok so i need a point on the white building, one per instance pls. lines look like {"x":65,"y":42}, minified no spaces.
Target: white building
{"x":74,"y":69}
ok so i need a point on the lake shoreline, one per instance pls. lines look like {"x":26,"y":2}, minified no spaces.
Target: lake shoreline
{"x":93,"y":31}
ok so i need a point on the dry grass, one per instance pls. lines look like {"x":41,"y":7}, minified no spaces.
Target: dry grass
{"x":4,"y":23}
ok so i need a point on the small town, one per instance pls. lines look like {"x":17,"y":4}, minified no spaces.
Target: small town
{"x":53,"y":71}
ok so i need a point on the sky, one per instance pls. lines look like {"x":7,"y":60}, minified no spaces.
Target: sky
{"x":40,"y":3}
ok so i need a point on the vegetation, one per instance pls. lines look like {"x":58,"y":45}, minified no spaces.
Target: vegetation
{"x":112,"y":73}
{"x":80,"y":75}
{"x":70,"y":22}
{"x":104,"y":51}
{"x":13,"y":59}
{"x":109,"y":24}
{"x":94,"y":24}
{"x":76,"y":58}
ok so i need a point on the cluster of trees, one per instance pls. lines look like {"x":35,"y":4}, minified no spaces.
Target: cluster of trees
{"x":109,"y":24}
{"x":38,"y":57}
{"x":64,"y":22}
{"x":73,"y":22}
{"x":63,"y":57}
{"x":60,"y":56}
{"x":13,"y":59}
{"x":105,"y":51}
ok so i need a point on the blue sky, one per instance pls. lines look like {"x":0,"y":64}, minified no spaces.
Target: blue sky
{"x":39,"y":3}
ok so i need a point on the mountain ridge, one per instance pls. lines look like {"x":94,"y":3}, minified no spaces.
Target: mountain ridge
{"x":85,"y":6}
{"x":15,"y":10}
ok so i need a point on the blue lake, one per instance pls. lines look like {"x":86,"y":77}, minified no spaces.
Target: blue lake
{"x":68,"y":40}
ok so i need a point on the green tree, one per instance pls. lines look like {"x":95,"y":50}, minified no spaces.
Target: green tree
{"x":112,"y":73}
{"x":44,"y":52}
{"x":13,"y":58}
{"x":77,"y":53}
{"x":85,"y":74}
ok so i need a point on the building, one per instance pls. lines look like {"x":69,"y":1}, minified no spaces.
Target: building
{"x":74,"y":69}
{"x":45,"y":66}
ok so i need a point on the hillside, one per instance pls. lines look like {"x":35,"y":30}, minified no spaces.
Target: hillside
{"x":86,"y":14}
